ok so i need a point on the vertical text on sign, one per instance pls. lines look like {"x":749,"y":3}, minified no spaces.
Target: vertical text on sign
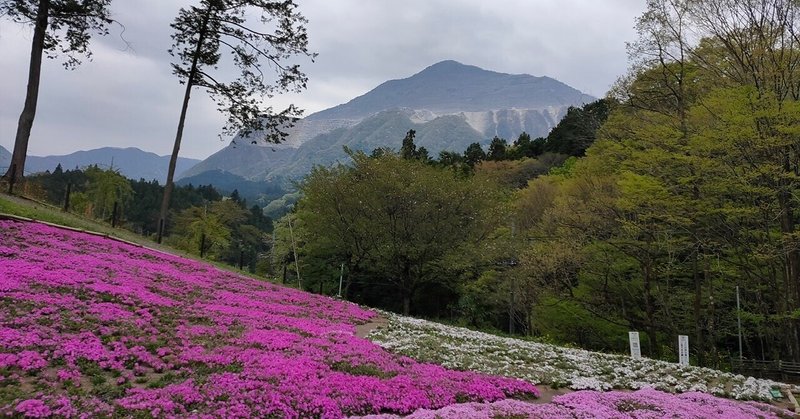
{"x":683,"y":350}
{"x":636,"y":350}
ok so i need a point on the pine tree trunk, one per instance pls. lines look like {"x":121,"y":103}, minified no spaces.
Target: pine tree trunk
{"x":173,"y":160}
{"x":16,"y":170}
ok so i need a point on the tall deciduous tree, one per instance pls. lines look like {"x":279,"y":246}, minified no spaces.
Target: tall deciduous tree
{"x":107,"y":187}
{"x":60,"y":27}
{"x":398,"y":219}
{"x":761,"y":41}
{"x":202,"y":33}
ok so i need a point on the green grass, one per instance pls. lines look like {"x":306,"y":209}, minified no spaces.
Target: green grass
{"x":22,"y":207}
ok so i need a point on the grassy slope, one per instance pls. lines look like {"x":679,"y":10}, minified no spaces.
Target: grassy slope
{"x":22,"y":207}
{"x":14,"y":205}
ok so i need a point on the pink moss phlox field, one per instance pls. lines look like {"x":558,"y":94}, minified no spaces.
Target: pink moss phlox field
{"x":641,"y":404}
{"x":93,"y":327}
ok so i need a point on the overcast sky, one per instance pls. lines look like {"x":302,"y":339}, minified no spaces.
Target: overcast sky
{"x":127,"y":96}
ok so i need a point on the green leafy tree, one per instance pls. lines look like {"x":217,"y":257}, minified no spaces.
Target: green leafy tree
{"x":208,"y":229}
{"x":60,"y":27}
{"x":398,"y":219}
{"x":201,"y":34}
{"x":704,"y":117}
{"x":512,"y":174}
{"x":107,"y":188}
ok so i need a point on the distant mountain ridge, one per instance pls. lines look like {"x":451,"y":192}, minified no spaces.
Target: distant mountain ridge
{"x":449,"y":104}
{"x":131,"y":162}
{"x":226,"y":183}
{"x":5,"y":157}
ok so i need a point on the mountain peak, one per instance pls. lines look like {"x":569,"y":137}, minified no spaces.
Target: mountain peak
{"x":450,"y":69}
{"x":450,"y":86}
{"x":448,"y":66}
{"x":132,"y":162}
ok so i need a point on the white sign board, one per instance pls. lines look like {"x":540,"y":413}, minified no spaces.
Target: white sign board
{"x":683,"y":349}
{"x":636,"y":350}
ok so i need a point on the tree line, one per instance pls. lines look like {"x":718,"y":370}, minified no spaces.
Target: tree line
{"x":207,"y":224}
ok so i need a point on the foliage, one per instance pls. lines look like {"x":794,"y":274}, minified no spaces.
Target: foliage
{"x":69,"y":24}
{"x":202,"y":31}
{"x":576,"y":131}
{"x":235,"y":234}
{"x":409,"y":150}
{"x":686,"y":194}
{"x":107,"y":189}
{"x":497,"y":149}
{"x":392,"y":221}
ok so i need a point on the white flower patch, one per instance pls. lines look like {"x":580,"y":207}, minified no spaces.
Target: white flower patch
{"x":578,"y":369}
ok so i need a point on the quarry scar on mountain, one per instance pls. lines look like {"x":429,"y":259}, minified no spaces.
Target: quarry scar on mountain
{"x":450,"y":105}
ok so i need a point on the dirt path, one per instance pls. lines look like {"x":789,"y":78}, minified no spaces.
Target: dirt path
{"x":362,"y":330}
{"x":546,"y":393}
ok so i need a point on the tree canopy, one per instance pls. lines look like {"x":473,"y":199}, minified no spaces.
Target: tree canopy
{"x":61,"y":28}
{"x":392,"y":220}
{"x":201,"y":35}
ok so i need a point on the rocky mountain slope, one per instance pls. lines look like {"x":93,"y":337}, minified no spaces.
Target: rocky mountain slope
{"x":449,"y":104}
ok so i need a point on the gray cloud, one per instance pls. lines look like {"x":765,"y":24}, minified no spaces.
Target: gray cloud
{"x":127,"y":96}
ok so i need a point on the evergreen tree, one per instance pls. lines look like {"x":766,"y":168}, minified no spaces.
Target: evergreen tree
{"x":201,"y":31}
{"x":497,"y":149}
{"x":408,"y":150}
{"x":59,"y":27}
{"x":474,"y":154}
{"x":578,"y":129}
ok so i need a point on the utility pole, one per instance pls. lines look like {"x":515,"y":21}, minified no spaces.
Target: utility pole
{"x":739,"y":321}
{"x":294,"y":250}
{"x":511,"y":312}
{"x":341,"y":275}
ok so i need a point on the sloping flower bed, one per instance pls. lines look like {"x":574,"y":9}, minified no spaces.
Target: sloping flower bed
{"x":460,"y":348}
{"x":645,"y":403}
{"x":100,"y":328}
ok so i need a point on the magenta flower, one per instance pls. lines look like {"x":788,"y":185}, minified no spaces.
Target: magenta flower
{"x":147,"y":333}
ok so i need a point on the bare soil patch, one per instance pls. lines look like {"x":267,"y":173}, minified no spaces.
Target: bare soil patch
{"x":362,"y":330}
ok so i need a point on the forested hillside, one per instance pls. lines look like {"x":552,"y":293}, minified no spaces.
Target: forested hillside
{"x":208,"y":224}
{"x":684,"y":194}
